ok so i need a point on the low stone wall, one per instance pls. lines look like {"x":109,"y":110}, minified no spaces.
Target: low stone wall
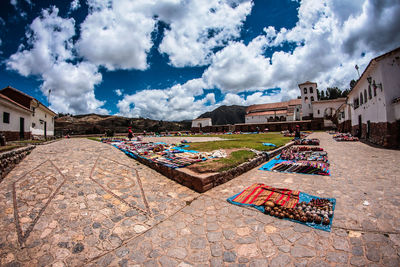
{"x":15,"y":136}
{"x":9,"y":159}
{"x":203,"y":183}
{"x":382,"y":133}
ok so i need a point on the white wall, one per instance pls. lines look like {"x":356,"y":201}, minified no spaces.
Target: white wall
{"x":41,"y":114}
{"x":256,"y":119}
{"x":322,"y":106}
{"x":306,"y":105}
{"x":390,"y":73}
{"x":15,"y":114}
{"x":374,"y":110}
{"x":204,"y":122}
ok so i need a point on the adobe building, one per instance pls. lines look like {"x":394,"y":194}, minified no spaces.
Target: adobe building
{"x":375,"y":101}
{"x":272,"y":112}
{"x":38,"y":124}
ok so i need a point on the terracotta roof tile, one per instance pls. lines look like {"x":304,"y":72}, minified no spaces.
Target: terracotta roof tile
{"x":13,"y":102}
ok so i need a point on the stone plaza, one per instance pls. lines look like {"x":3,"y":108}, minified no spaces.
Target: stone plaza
{"x":77,"y":202}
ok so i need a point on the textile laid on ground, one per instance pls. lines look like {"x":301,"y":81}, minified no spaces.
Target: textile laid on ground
{"x":269,"y":144}
{"x":300,"y":159}
{"x":168,"y":155}
{"x":344,"y":137}
{"x":287,"y":204}
{"x":258,"y":194}
{"x":307,"y":142}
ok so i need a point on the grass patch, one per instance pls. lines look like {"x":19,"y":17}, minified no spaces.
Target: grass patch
{"x":234,"y":159}
{"x":94,"y":139}
{"x":30,"y":141}
{"x":7,"y":148}
{"x":253,"y":141}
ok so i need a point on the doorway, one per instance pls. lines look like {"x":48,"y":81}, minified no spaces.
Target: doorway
{"x":359,"y":126}
{"x":21,"y":128}
{"x":45,"y":130}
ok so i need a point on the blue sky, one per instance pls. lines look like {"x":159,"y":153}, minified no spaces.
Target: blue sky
{"x":176,"y":59}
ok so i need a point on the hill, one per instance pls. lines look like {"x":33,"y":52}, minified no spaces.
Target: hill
{"x":96,"y":124}
{"x":226,"y":115}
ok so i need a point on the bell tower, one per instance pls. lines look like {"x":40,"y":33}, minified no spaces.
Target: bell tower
{"x":308,"y":92}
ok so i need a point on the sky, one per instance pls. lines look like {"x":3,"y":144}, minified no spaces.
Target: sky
{"x":176,"y":59}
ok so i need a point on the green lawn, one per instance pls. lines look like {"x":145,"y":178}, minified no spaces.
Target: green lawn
{"x":94,"y":139}
{"x":7,"y":148}
{"x":253,"y":141}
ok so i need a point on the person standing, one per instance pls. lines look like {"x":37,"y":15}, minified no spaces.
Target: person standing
{"x":130,"y":134}
{"x":297,"y":132}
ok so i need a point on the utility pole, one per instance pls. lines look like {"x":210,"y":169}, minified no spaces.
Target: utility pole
{"x":48,"y":98}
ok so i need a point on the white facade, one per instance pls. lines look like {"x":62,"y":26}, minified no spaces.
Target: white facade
{"x":255,"y":119}
{"x":42,"y":120}
{"x":201,"y":122}
{"x":308,"y":96}
{"x":327,"y":108}
{"x":372,"y":98}
{"x":15,"y":113}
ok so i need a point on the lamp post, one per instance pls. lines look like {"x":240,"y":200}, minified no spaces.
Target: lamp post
{"x":356,"y":66}
{"x":48,"y":98}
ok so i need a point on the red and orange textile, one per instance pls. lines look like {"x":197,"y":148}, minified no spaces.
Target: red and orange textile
{"x":258,"y":194}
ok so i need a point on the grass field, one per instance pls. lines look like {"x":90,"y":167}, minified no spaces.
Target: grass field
{"x":253,"y":141}
{"x":236,"y":141}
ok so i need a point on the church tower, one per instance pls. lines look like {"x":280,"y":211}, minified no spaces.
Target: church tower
{"x":308,"y":96}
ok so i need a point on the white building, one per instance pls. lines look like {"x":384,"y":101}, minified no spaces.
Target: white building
{"x":374,"y":101}
{"x":281,"y":111}
{"x":15,"y":119}
{"x":41,"y":121}
{"x":201,"y":122}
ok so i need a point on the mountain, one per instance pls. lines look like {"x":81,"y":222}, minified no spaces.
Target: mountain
{"x":96,"y":124}
{"x":226,"y":115}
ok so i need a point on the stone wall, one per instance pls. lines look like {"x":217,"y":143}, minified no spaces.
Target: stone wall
{"x":345,"y":127}
{"x":203,"y":183}
{"x":383,"y":133}
{"x":9,"y":159}
{"x":14,"y":136}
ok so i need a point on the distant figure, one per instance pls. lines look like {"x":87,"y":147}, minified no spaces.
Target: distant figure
{"x":130,"y":134}
{"x":257,"y":129}
{"x":290,"y":130}
{"x":297,"y":132}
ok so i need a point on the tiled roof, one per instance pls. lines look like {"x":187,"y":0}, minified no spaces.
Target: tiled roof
{"x":13,"y":102}
{"x":272,"y":106}
{"x":263,"y":113}
{"x":307,"y":82}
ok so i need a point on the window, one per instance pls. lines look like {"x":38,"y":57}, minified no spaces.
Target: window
{"x":361,"y":99}
{"x":369,"y":92}
{"x":6,"y":117}
{"x":305,"y":90}
{"x":311,"y":90}
{"x":365,"y":96}
{"x":305,"y":99}
{"x":312,"y":99}
{"x":318,"y":111}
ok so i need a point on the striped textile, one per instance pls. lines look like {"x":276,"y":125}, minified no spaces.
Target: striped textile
{"x":258,"y":194}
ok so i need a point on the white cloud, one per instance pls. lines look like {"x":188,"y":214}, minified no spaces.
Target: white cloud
{"x":330,"y":38}
{"x":48,"y":55}
{"x":175,"y":103}
{"x":200,"y":27}
{"x":75,"y":4}
{"x":118,"y":92}
{"x":116,"y":35}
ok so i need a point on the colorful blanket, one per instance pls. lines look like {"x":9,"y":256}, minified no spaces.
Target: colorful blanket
{"x":258,"y":194}
{"x":238,"y":199}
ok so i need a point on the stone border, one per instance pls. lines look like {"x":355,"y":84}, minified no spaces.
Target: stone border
{"x":9,"y":159}
{"x":205,"y":183}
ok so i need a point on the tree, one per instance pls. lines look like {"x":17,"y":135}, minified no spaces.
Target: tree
{"x":333,"y":93}
{"x":322,"y":95}
{"x":318,"y":94}
{"x":352,"y":84}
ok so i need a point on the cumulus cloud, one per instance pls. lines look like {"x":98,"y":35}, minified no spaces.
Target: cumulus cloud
{"x":330,"y":37}
{"x":116,"y":35}
{"x":200,"y":27}
{"x":48,"y":55}
{"x":175,"y":103}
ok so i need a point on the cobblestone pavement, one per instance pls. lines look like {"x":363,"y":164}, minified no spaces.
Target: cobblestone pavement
{"x":79,"y":202}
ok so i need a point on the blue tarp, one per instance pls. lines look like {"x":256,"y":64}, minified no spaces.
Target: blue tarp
{"x":269,"y":144}
{"x":302,"y":197}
